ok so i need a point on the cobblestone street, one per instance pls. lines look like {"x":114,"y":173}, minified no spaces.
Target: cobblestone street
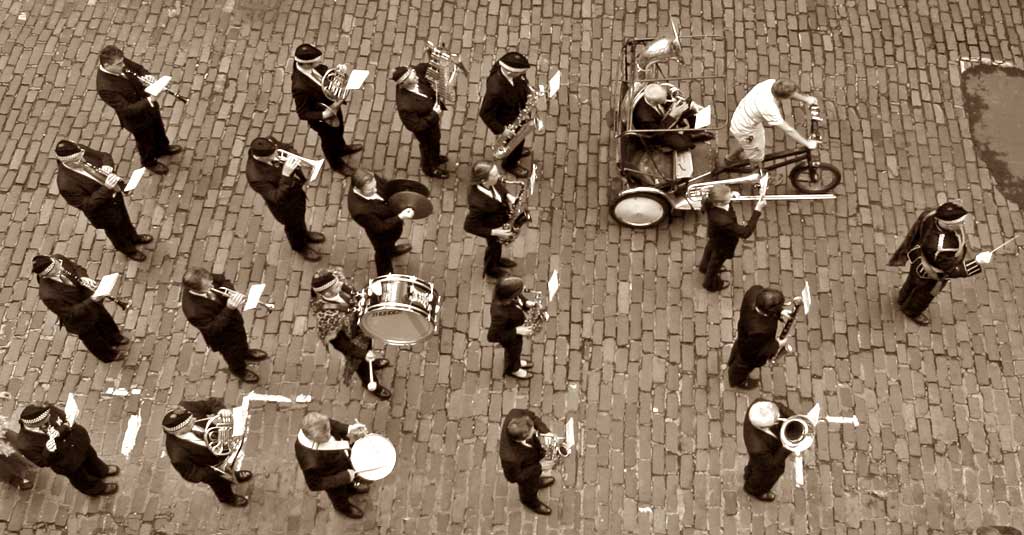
{"x":635,"y":350}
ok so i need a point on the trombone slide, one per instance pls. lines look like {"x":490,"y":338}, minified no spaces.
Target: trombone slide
{"x":806,"y":197}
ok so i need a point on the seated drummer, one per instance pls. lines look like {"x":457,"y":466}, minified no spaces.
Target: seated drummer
{"x":655,"y":111}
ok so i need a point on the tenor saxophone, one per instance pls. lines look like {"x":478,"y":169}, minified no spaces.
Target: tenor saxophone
{"x":537,"y":315}
{"x":518,"y":211}
{"x":523,"y":124}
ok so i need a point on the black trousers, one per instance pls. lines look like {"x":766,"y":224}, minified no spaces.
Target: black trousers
{"x":102,"y":338}
{"x":739,"y":369}
{"x":235,"y":354}
{"x":917,"y":293}
{"x":362,"y":366}
{"x":88,"y":477}
{"x":492,"y":256}
{"x":120,"y":230}
{"x":430,"y":147}
{"x":711,"y":265}
{"x":512,"y":160}
{"x":383,"y":252}
{"x":151,"y":138}
{"x":332,"y":141}
{"x":295,"y":229}
{"x":761,"y":473}
{"x":513,"y":352}
{"x":221,"y":487}
{"x":14,"y":467}
{"x":528,"y":491}
{"x":339,"y":495}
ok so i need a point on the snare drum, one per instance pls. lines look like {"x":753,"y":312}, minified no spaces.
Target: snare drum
{"x":373,"y":457}
{"x":400,"y":309}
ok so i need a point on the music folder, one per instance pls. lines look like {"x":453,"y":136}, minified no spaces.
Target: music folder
{"x":158,"y":86}
{"x":71,"y":409}
{"x":570,"y":433}
{"x":106,"y":285}
{"x":134,"y":179}
{"x":239,"y":417}
{"x":252,"y":300}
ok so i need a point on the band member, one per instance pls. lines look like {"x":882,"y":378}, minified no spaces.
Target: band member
{"x":767,"y":456}
{"x":48,"y":440}
{"x":313,"y":106}
{"x":66,"y":289}
{"x":368,"y":206}
{"x":759,"y":107}
{"x":333,"y":304}
{"x":507,"y":324}
{"x":664,"y":107}
{"x":81,"y":182}
{"x":420,"y":112}
{"x":322,"y":449}
{"x":220,"y":320}
{"x":14,"y":467}
{"x":760,"y":314}
{"x":505,"y":98}
{"x":185,"y":442}
{"x":285,"y":195}
{"x":118,"y":84}
{"x":724,"y":232}
{"x":520,"y":451}
{"x":490,"y":206}
{"x":936,"y":247}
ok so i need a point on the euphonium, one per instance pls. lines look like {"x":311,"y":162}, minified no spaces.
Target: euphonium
{"x":523,"y":124}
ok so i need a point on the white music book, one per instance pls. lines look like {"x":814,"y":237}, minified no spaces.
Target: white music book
{"x":554,"y":83}
{"x":106,"y":285}
{"x":703,"y":118}
{"x":71,"y":409}
{"x":158,"y":86}
{"x":252,"y":300}
{"x":356,"y":79}
{"x":134,"y":179}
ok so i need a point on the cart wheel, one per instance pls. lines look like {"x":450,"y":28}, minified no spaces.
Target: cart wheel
{"x":815,"y":178}
{"x":640,"y":209}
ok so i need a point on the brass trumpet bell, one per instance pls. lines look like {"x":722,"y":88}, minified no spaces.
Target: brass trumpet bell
{"x":310,"y":168}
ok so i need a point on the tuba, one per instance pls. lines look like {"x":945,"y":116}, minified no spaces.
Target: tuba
{"x":442,"y":67}
{"x":523,"y":124}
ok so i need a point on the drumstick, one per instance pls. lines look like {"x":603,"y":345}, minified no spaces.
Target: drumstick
{"x":372,"y":385}
{"x":371,"y":469}
{"x":1004,"y":244}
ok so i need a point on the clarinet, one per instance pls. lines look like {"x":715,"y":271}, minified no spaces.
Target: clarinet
{"x":788,"y":326}
{"x":120,"y":181}
{"x":125,"y":304}
{"x":149,"y":79}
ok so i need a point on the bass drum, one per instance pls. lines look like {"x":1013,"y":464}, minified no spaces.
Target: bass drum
{"x":640,"y":207}
{"x":373,"y":457}
{"x":401,"y":310}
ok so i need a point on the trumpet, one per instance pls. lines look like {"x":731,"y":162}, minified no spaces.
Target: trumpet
{"x":91,"y":285}
{"x":290,"y":162}
{"x":229,"y":293}
{"x":148,"y":80}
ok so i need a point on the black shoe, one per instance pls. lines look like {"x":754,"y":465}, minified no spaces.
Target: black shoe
{"x":350,"y":510}
{"x":173,"y":149}
{"x":496,"y":274}
{"x":526,"y":152}
{"x":766,"y":497}
{"x":143,"y":239}
{"x":112,"y":471}
{"x":402,"y":249}
{"x":237,"y":501}
{"x":158,"y":168}
{"x":344,"y":169}
{"x":257,"y":354}
{"x":506,"y":263}
{"x":519,"y":171}
{"x":315,"y":237}
{"x":546,"y":482}
{"x":380,"y":364}
{"x":122,"y":341}
{"x":137,"y":256}
{"x":351,"y":149}
{"x":921,"y":319}
{"x":248,"y":376}
{"x":360,"y":487}
{"x":381,"y":392}
{"x":121,"y":355}
{"x":442,"y":159}
{"x":540,"y":509}
{"x":749,"y":384}
{"x":436,"y":172}
{"x":24,"y":484}
{"x":311,"y":254}
{"x":108,"y":489}
{"x":243,"y":475}
{"x":721,"y":286}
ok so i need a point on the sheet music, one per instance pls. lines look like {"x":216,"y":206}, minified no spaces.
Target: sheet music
{"x":134,"y":179}
{"x":158,"y":86}
{"x":131,"y":433}
{"x":533,"y":178}
{"x":239,"y":418}
{"x":703,"y":118}
{"x":554,"y":83}
{"x":106,"y":285}
{"x":356,"y":79}
{"x":805,"y":297}
{"x":552,"y":285}
{"x":570,"y":433}
{"x":71,"y":409}
{"x":252,"y":300}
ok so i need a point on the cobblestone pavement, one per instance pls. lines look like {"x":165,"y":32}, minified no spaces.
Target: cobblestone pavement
{"x":635,"y":351}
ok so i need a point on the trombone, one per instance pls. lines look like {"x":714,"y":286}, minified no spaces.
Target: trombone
{"x":229,"y":293}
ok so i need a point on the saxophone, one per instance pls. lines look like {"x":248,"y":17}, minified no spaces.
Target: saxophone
{"x":555,"y":447}
{"x":442,"y":67}
{"x":519,"y":210}
{"x":523,"y":124}
{"x":537,"y":315}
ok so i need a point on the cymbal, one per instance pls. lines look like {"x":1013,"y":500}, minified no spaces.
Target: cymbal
{"x":420,"y":205}
{"x":402,"y":184}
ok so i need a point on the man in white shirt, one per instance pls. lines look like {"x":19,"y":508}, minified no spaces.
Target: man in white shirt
{"x":760,"y":106}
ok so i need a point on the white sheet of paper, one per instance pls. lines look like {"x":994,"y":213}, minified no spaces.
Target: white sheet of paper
{"x":552,"y":285}
{"x":356,"y":79}
{"x":71,"y":409}
{"x":570,"y":433}
{"x":703,"y":118}
{"x":554,"y":83}
{"x":106,"y":285}
{"x":134,"y":179}
{"x":239,"y":416}
{"x":805,"y":297}
{"x":274,"y":398}
{"x":798,"y":470}
{"x":252,"y":300}
{"x":533,"y":178}
{"x":131,"y":433}
{"x":158,"y":86}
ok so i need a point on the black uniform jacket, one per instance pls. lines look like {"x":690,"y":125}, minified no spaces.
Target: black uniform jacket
{"x":191,"y":460}
{"x":127,"y":96}
{"x":284,"y":194}
{"x":755,"y":333}
{"x":766,"y":451}
{"x":221,"y":326}
{"x":935,"y":253}
{"x":325,"y":470}
{"x":73,"y":445}
{"x":415,"y":111}
{"x":102,"y":207}
{"x":724,"y":232}
{"x":505,"y":317}
{"x":378,"y":218}
{"x":646,"y":117}
{"x":310,"y":100}
{"x":486,"y":213}
{"x":503,"y":101}
{"x":75,"y":309}
{"x":521,"y":463}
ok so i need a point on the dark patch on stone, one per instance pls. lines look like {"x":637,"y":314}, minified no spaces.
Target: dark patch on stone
{"x":993,"y":98}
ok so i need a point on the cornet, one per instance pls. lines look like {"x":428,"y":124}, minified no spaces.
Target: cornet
{"x":229,"y":293}
{"x":290,"y":162}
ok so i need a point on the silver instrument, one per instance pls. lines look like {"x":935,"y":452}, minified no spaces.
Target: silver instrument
{"x":91,"y":285}
{"x":290,"y":162}
{"x":99,"y":176}
{"x":537,"y":315}
{"x":519,"y":210}
{"x":229,"y":293}
{"x":525,"y":123}
{"x":557,"y":448}
{"x":148,"y":80}
{"x":661,"y":50}
{"x":442,"y":68}
{"x":797,"y":435}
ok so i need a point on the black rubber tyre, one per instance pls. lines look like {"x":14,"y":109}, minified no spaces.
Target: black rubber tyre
{"x":815,"y":178}
{"x":640,"y":209}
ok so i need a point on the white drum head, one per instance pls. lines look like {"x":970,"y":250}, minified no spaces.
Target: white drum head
{"x":373,"y":457}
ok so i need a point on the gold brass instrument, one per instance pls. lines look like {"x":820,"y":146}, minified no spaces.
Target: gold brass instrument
{"x":290,"y":162}
{"x":518,"y":211}
{"x":229,"y":293}
{"x":148,"y":80}
{"x":222,"y":441}
{"x":332,"y":82}
{"x":91,"y":285}
{"x":797,"y":433}
{"x":537,"y":315}
{"x":526,"y":122}
{"x":442,"y":67}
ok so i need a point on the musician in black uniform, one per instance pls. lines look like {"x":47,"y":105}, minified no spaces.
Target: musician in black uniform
{"x":322,"y":449}
{"x":190,"y":454}
{"x":64,"y":289}
{"x":505,"y":98}
{"x":936,"y":247}
{"x":654,"y":112}
{"x":520,"y":451}
{"x":220,"y":320}
{"x":724,"y":232}
{"x":285,"y":195}
{"x":767,"y":456}
{"x":760,"y":314}
{"x":48,"y":440}
{"x":99,"y":198}
{"x":490,"y":207}
{"x":323,"y":115}
{"x":138,"y":112}
{"x":420,"y":112}
{"x":507,"y":327}
{"x":368,"y":206}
